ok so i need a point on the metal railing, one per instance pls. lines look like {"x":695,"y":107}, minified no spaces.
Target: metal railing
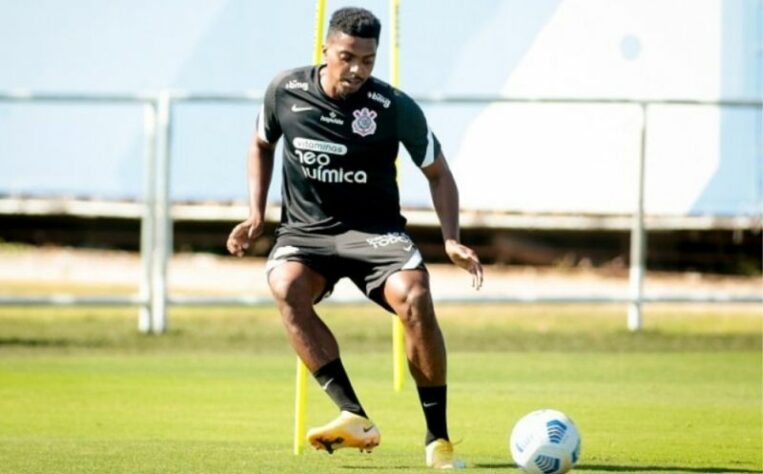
{"x":156,"y":219}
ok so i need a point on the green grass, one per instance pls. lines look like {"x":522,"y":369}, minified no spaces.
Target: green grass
{"x":82,"y":392}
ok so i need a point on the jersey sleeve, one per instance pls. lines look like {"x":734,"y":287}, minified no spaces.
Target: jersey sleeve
{"x":414,"y":132}
{"x":268,"y":126}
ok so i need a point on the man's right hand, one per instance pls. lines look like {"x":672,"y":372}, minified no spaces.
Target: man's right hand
{"x":243,"y":235}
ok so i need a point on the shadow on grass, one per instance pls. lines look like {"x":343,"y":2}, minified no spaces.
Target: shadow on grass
{"x":53,"y":343}
{"x":678,"y":469}
{"x":30,"y":342}
{"x":372,"y":468}
{"x":617,"y":468}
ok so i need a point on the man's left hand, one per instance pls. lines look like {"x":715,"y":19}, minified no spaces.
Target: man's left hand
{"x":467,"y":259}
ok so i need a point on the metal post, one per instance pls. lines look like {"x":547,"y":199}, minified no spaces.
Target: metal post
{"x":147,"y":220}
{"x":638,"y":238}
{"x":162,"y":217}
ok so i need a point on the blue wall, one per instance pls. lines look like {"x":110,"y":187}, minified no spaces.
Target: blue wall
{"x":741,"y":129}
{"x":452,"y":46}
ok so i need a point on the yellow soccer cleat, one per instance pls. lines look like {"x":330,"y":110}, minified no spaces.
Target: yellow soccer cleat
{"x":348,"y":430}
{"x":440,"y":455}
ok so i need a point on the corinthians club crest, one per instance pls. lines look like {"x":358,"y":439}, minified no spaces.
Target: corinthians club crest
{"x":364,"y":124}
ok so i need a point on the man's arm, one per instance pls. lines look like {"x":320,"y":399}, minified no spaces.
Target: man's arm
{"x":260,"y":166}
{"x":444,"y":191}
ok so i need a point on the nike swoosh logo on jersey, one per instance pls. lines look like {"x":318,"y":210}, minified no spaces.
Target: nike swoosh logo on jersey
{"x":296,"y":108}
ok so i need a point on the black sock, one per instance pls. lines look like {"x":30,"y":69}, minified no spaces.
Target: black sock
{"x":334,"y":381}
{"x":433,"y":402}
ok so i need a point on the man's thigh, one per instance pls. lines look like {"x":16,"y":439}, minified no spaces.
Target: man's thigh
{"x":315,"y":256}
{"x":372,"y":258}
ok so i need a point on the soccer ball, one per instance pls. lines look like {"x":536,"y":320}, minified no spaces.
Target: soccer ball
{"x":545,"y":442}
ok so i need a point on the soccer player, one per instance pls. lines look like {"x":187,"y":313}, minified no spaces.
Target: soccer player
{"x":341,"y":218}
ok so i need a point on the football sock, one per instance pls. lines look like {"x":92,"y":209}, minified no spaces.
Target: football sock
{"x":334,"y":381}
{"x":433,"y":402}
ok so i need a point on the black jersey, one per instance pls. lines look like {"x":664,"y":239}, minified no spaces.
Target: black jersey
{"x":339,"y":155}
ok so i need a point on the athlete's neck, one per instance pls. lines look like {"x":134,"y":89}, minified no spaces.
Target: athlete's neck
{"x":331,"y":90}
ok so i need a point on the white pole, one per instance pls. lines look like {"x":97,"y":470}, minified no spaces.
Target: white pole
{"x":163,"y":220}
{"x":638,"y":238}
{"x":147,"y":220}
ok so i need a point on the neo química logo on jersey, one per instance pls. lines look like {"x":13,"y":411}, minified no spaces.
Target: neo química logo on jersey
{"x":315,"y":158}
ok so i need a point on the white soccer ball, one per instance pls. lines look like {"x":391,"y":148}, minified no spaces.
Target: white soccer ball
{"x":545,"y":442}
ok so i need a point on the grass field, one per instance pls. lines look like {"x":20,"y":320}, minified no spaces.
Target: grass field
{"x":82,"y":392}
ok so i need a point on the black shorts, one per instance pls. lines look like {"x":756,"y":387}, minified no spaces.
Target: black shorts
{"x":365,"y":258}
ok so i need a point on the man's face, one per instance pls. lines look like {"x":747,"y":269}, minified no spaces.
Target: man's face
{"x":349,"y":62}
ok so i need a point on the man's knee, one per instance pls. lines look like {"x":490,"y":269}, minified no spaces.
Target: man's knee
{"x":417,"y":299}
{"x":293,"y":284}
{"x":286,"y":289}
{"x":411,"y":299}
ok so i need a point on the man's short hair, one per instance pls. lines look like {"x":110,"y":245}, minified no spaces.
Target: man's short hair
{"x":355,"y":21}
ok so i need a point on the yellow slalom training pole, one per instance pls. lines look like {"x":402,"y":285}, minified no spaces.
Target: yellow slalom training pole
{"x":398,"y":333}
{"x":320,"y":15}
{"x":300,"y":401}
{"x":300,"y":395}
{"x":394,"y":44}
